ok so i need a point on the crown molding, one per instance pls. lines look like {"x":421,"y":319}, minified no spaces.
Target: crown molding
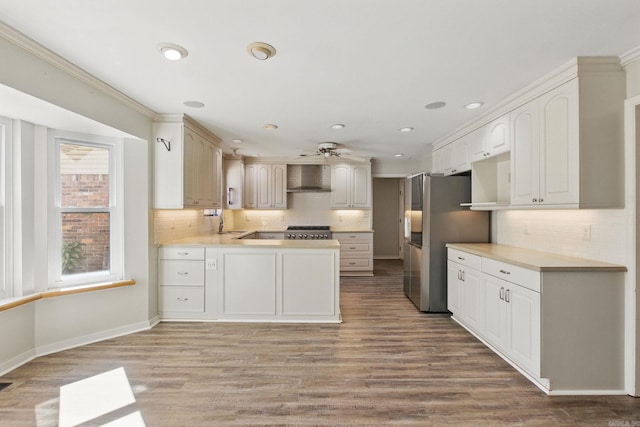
{"x":568,"y":71}
{"x":22,"y":41}
{"x":630,"y":56}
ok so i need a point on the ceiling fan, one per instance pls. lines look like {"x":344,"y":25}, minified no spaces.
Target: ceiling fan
{"x":330,"y":149}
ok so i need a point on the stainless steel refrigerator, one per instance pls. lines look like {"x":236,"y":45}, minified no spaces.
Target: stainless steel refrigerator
{"x":433,"y":217}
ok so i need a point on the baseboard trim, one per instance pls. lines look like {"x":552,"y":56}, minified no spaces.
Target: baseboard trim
{"x":17,"y":361}
{"x":92,"y":338}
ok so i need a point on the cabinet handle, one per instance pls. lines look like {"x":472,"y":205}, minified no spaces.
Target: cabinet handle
{"x":453,"y":170}
{"x":462,"y":272}
{"x":505,"y":272}
{"x":183,"y":273}
{"x":541,"y":200}
{"x":183,"y":299}
{"x":534,"y":200}
{"x":506,"y":295}
{"x":502,"y":293}
{"x":459,"y":275}
{"x":352,"y":263}
{"x":461,"y":258}
{"x":352,"y":248}
{"x":183,"y":253}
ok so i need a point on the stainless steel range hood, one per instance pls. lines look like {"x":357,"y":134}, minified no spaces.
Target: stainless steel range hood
{"x":308,"y":179}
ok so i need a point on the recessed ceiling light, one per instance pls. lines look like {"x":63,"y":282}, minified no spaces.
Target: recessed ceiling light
{"x":337,"y":126}
{"x":270,"y":126}
{"x":194,"y":104}
{"x":237,"y":140}
{"x":398,"y":155}
{"x":172,"y":52}
{"x":473,"y":105}
{"x":261,"y":50}
{"x":435,"y":105}
{"x":406,"y":129}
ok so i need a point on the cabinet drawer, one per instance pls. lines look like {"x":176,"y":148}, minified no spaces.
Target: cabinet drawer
{"x":182,"y":298}
{"x":529,"y":279}
{"x":354,"y":247}
{"x":348,"y":237}
{"x":182,"y":253}
{"x":356,"y":263}
{"x":464,"y":258}
{"x":181,"y":273}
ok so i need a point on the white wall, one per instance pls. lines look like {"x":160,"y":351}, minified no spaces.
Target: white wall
{"x":56,"y":323}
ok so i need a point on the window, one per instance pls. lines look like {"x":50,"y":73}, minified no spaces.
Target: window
{"x":86,"y":218}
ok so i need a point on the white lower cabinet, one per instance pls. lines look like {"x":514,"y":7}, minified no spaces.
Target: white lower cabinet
{"x":182,"y":283}
{"x":562,"y":328}
{"x":254,"y":284}
{"x":356,"y":253}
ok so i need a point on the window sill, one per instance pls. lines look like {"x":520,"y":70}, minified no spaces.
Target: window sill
{"x":17,"y":302}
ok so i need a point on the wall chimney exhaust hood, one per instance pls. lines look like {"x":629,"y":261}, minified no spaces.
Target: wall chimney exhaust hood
{"x":308,"y":179}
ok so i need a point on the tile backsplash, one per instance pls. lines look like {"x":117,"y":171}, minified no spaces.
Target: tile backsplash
{"x":595,"y":234}
{"x":303,"y":209}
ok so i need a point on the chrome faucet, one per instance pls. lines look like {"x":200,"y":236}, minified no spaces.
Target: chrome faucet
{"x":220,"y":223}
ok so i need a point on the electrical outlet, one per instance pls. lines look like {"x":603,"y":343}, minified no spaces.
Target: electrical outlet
{"x":585,"y":231}
{"x":212,"y":264}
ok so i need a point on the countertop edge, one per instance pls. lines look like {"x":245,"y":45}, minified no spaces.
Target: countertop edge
{"x":555,"y":264}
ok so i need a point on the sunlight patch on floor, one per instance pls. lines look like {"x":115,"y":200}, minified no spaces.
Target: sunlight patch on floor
{"x":96,"y":397}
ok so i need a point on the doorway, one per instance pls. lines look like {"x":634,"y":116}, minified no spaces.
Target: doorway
{"x":387,"y":218}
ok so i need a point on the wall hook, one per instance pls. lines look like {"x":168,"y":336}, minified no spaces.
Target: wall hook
{"x":167,"y":144}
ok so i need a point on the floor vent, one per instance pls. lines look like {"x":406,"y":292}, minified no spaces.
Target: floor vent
{"x":4,"y":385}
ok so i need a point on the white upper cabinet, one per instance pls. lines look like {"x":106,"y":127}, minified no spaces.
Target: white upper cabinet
{"x":490,"y":140}
{"x":568,"y":145}
{"x":460,"y":156}
{"x":188,"y":165}
{"x":265,"y":186}
{"x":351,"y":186}
{"x":234,"y":183}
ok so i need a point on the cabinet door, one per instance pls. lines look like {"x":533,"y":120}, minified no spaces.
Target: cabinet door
{"x":234,"y":179}
{"x":472,"y":298}
{"x":361,"y":186}
{"x":498,"y":136}
{"x":279,"y":186}
{"x":453,"y":288}
{"x":340,"y":190}
{"x":191,"y":167}
{"x":217,"y":180}
{"x":523,"y":311}
{"x":495,"y":312}
{"x":559,"y":165}
{"x":445,"y":159}
{"x":206,"y":177}
{"x":525,"y":155}
{"x":477,"y":146}
{"x":264,"y":186}
{"x":251,"y":186}
{"x":460,"y":155}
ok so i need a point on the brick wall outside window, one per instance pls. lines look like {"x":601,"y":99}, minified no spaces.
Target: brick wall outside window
{"x":89,"y":229}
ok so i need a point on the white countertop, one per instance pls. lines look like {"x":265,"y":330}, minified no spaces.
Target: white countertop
{"x":534,"y":260}
{"x":232,"y":239}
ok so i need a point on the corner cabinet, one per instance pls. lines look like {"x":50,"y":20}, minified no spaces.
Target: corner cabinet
{"x":188,"y":165}
{"x":568,"y":145}
{"x":351,"y":186}
{"x":548,"y":321}
{"x":265,"y":186}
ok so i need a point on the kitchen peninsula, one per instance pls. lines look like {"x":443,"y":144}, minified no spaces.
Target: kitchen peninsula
{"x":221,"y":277}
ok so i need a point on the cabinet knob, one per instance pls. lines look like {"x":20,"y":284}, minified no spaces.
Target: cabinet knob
{"x":534,"y":200}
{"x":541,"y":200}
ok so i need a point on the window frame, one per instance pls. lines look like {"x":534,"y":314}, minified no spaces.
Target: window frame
{"x":6,"y":235}
{"x":115,"y":210}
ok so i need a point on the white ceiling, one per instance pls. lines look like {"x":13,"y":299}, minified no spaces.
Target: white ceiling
{"x":370,"y":64}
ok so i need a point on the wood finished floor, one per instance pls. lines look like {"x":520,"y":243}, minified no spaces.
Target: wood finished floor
{"x":387,"y":364}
